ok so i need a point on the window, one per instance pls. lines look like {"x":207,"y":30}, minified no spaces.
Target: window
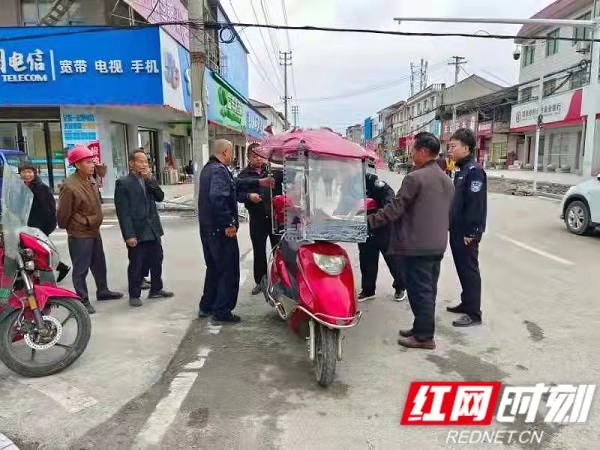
{"x":579,"y":79}
{"x":528,"y":55}
{"x":426,"y":105}
{"x":552,"y":43}
{"x":413,"y":111}
{"x":582,"y":32}
{"x":33,"y":11}
{"x":526,"y":94}
{"x":549,"y":87}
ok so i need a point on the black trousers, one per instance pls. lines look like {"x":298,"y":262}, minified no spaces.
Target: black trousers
{"x":368,"y":255}
{"x":146,"y":257}
{"x":260,"y":230}
{"x":88,"y":254}
{"x":222,"y":278}
{"x":466,"y":260}
{"x":421,"y":274}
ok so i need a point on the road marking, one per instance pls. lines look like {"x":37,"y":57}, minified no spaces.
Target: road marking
{"x":539,"y":252}
{"x":166,"y":411}
{"x":69,"y":397}
{"x":168,"y":407}
{"x":213,"y":329}
{"x":243,"y":276}
{"x":6,"y":443}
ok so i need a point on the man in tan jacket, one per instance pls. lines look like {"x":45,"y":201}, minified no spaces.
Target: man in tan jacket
{"x":80,"y":213}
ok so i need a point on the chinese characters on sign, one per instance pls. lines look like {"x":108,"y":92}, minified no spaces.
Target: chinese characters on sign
{"x":79,"y":129}
{"x":474,"y":403}
{"x":113,"y":66}
{"x":18,"y":67}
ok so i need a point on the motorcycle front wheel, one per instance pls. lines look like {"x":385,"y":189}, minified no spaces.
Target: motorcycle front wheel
{"x":326,"y":345}
{"x":31,"y":353}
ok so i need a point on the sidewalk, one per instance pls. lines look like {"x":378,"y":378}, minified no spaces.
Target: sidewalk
{"x":520,"y":182}
{"x":567,"y":179}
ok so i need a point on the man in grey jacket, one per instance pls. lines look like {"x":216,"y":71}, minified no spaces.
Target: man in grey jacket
{"x":419,"y":216}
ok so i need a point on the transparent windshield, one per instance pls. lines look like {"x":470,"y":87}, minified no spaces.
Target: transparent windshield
{"x":324,"y":198}
{"x":16,"y":204}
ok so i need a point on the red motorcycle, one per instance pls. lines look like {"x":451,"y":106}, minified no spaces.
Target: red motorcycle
{"x":310,"y":281}
{"x":35,"y":314}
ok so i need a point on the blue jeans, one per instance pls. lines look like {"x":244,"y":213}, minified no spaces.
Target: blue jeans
{"x":421,"y":274}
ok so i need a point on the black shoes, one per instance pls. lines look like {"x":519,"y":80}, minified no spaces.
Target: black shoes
{"x":108,"y":295}
{"x":458,"y":309}
{"x":400,"y":295}
{"x":161,"y":294}
{"x":135,"y":302}
{"x":203,"y":314}
{"x":227,"y":318}
{"x":257,"y":290}
{"x":467,"y":320}
{"x":405,"y":333}
{"x":364,"y":295}
{"x":63,"y":270}
{"x":88,"y":306}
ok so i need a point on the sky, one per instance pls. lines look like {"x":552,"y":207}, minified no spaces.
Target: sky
{"x":326,"y":65}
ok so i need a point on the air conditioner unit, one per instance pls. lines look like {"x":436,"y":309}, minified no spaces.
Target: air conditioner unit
{"x":584,"y":46}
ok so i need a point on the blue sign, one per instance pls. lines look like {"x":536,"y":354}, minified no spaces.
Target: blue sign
{"x":255,"y":124}
{"x":234,"y":59}
{"x":80,"y":66}
{"x":368,"y":129}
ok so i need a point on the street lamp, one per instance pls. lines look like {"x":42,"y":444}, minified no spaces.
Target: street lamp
{"x":591,"y":106}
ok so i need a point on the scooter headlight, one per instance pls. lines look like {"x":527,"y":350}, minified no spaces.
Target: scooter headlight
{"x":330,"y":264}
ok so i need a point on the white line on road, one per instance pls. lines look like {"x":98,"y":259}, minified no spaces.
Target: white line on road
{"x":69,"y":397}
{"x":166,"y":411}
{"x":213,"y":329}
{"x":199,"y":363}
{"x":539,"y":252}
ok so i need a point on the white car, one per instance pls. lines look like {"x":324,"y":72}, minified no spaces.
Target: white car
{"x":580,"y":207}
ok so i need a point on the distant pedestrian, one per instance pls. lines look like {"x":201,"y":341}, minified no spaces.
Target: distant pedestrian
{"x":43,"y":208}
{"x":135,"y":201}
{"x":219,"y":222}
{"x":419,"y":217}
{"x":467,"y":225}
{"x":258,"y":204}
{"x":80,"y":213}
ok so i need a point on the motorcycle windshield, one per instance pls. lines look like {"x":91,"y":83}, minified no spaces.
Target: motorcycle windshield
{"x":324,"y":198}
{"x":16,"y":205}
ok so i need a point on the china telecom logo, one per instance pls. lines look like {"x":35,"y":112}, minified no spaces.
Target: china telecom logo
{"x":171,"y":73}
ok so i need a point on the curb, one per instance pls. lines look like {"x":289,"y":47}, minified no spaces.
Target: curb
{"x":6,"y":443}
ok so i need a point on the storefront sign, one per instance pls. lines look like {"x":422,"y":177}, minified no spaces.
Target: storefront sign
{"x":79,"y":128}
{"x":558,"y":108}
{"x":255,"y":124}
{"x":224,"y":107}
{"x":468,"y":121}
{"x":177,"y":86}
{"x":485,"y":129}
{"x":81,"y":66}
{"x":165,"y":11}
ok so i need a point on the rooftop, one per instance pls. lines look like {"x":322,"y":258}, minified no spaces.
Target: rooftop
{"x":560,"y":9}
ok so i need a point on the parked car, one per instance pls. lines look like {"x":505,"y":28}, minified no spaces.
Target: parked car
{"x":580,"y":207}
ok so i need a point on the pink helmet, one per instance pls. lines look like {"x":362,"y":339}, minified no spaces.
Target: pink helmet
{"x":78,"y":153}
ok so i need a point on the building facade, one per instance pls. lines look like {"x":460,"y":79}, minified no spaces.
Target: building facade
{"x":354,"y":133}
{"x":419,"y":113}
{"x":566,"y":69}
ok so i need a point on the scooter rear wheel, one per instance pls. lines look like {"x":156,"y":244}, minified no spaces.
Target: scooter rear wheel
{"x":326,"y":344}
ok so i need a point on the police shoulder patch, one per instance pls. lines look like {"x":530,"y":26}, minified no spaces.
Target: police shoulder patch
{"x":379,"y":184}
{"x":476,"y":186}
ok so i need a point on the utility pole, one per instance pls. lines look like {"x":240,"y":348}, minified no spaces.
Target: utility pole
{"x":457,"y":61}
{"x":295,"y":114}
{"x":424,"y":65}
{"x":412,"y":79}
{"x":198,"y":66}
{"x":286,"y":62}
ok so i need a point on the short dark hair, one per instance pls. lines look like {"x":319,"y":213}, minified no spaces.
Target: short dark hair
{"x":427,"y":140}
{"x":135,"y":152}
{"x":252,"y":147}
{"x":466,"y":136}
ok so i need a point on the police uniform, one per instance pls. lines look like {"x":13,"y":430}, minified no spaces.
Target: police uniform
{"x":378,"y":242}
{"x":468,"y":220}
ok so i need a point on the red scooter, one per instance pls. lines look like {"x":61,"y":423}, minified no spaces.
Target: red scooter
{"x":309,"y":280}
{"x":35,"y":314}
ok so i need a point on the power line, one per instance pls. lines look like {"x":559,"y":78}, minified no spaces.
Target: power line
{"x":287,"y":32}
{"x":277,"y":74}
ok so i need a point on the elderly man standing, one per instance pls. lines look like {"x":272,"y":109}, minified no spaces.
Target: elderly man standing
{"x":80,"y":213}
{"x":218,"y":217}
{"x":419,"y":216}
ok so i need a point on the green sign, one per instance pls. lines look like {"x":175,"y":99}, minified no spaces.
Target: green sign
{"x":225,"y":107}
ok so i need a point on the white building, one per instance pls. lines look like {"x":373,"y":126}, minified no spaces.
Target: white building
{"x":566,"y":70}
{"x":420,"y":111}
{"x":274,"y":118}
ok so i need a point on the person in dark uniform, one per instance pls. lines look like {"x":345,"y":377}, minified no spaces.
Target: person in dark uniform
{"x":467,"y":225}
{"x":219,"y":222}
{"x":378,"y":242}
{"x":258,"y":203}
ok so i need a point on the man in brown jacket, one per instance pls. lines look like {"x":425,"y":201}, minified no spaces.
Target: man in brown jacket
{"x":80,"y":213}
{"x":419,"y":216}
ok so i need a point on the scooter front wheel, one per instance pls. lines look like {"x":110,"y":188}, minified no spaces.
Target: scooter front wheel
{"x":326,"y":349}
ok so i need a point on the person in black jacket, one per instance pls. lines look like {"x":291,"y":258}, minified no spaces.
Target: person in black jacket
{"x":219,"y":222}
{"x":258,"y":203}
{"x":467,"y":225}
{"x":135,"y":202}
{"x":378,"y":242}
{"x":43,"y":208}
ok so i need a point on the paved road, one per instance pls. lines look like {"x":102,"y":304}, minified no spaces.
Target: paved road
{"x":250,"y":386}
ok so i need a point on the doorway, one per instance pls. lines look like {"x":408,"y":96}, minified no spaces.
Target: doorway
{"x":148,"y":140}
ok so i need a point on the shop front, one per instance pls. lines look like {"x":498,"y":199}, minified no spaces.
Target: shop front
{"x":112,"y":90}
{"x":255,"y":125}
{"x":462,"y":121}
{"x":562,"y":135}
